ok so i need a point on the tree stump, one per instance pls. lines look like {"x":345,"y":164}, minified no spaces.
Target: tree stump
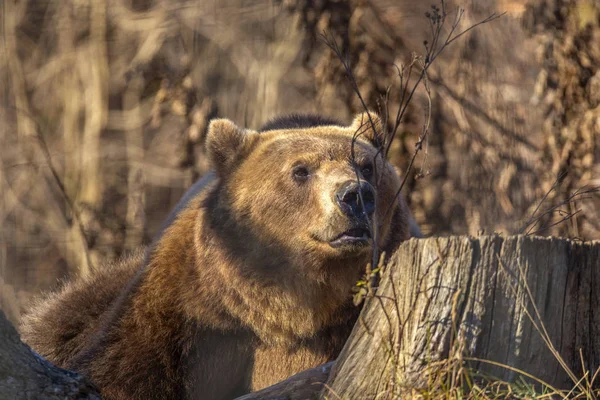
{"x":26,"y":375}
{"x":473,"y":298}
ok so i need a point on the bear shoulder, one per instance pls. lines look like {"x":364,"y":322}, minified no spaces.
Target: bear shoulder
{"x":59,"y":323}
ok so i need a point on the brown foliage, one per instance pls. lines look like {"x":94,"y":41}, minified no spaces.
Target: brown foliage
{"x":120,"y":94}
{"x":568,"y":92}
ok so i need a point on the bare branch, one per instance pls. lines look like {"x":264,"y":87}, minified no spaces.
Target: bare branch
{"x":535,"y":219}
{"x":437,"y":20}
{"x":61,"y":187}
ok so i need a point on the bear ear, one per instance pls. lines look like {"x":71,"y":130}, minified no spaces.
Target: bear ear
{"x":225,"y":143}
{"x":371,"y":129}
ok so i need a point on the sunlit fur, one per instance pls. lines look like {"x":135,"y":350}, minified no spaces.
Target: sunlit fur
{"x":242,"y":289}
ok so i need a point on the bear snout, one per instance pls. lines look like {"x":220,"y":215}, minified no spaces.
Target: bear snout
{"x":356,"y":199}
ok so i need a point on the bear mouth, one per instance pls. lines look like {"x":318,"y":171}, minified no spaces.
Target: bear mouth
{"x":355,"y":237}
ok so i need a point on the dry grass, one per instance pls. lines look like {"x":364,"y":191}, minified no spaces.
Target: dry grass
{"x":453,"y":378}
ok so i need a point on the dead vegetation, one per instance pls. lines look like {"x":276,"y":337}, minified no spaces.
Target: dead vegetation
{"x":568,"y":92}
{"x":105,"y":106}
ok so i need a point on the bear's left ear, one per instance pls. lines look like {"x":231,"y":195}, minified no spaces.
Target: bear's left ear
{"x":225,"y":144}
{"x":371,"y":129}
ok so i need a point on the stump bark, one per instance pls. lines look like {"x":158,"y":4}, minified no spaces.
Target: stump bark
{"x":26,"y":375}
{"x":522,"y":302}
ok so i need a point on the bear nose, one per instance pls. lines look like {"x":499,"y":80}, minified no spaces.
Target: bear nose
{"x":348,"y":198}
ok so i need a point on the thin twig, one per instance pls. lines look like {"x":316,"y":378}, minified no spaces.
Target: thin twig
{"x":556,"y":183}
{"x":534,"y":219}
{"x":61,"y":188}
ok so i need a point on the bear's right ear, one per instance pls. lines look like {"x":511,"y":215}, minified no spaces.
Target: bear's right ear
{"x":225,"y":143}
{"x":370,"y":126}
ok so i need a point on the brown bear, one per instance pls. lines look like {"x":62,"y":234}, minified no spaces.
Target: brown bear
{"x":249,"y":281}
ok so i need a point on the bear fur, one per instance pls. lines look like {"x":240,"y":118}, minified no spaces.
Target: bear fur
{"x":243,"y":287}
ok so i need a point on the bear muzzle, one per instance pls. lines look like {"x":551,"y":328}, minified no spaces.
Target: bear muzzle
{"x":356,"y":199}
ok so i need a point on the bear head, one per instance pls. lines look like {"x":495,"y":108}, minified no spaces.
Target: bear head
{"x":316,"y":198}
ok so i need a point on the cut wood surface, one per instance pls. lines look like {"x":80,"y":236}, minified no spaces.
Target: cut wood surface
{"x":477,"y":295}
{"x":26,"y":375}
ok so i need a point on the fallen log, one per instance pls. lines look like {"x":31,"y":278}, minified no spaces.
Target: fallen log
{"x":26,"y":375}
{"x":302,"y":386}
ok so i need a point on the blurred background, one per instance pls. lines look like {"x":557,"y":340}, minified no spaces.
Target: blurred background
{"x":105,"y":104}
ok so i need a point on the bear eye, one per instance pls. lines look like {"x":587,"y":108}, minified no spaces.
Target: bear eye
{"x":367,"y":170}
{"x":300,"y":173}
